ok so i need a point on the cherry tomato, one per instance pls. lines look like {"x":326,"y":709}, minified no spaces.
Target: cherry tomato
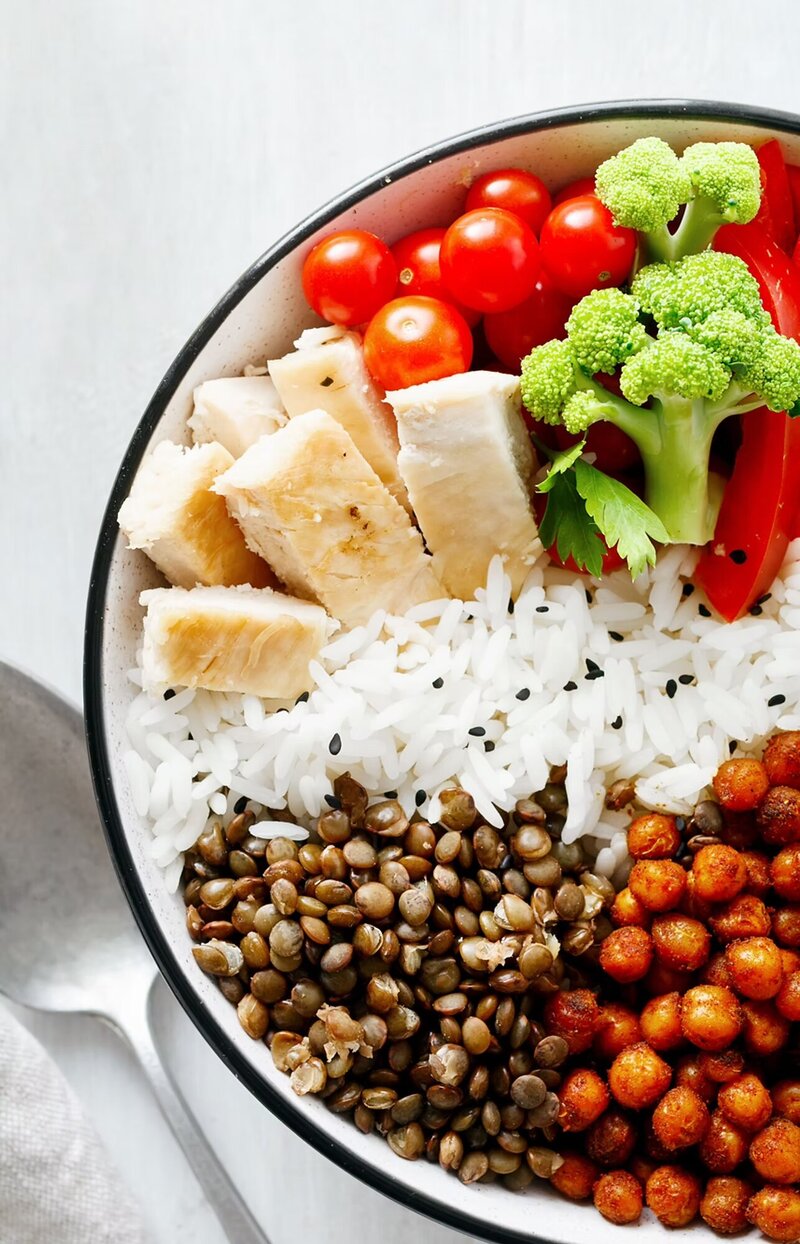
{"x":513,"y":334}
{"x":348,"y":276}
{"x":575,"y":190}
{"x":777,"y":193}
{"x":611,"y":558}
{"x":519,"y":192}
{"x":582,"y":248}
{"x":614,"y":451}
{"x":414,"y":339}
{"x":418,"y":270}
{"x":490,"y":259}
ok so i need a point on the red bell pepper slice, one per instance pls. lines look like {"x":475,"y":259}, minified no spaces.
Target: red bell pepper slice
{"x":758,"y":512}
{"x":777,"y":194}
{"x":793,"y":173}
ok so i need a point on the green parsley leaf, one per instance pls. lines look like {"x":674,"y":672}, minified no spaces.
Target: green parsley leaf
{"x":621,"y":516}
{"x":566,"y":524}
{"x":560,"y":464}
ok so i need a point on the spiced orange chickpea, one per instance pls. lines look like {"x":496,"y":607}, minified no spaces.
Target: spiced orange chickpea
{"x":711,"y":1017}
{"x":755,"y":966}
{"x":745,"y":916}
{"x":776,"y":1212}
{"x":611,"y":1139}
{"x":681,"y":1118}
{"x":661,"y":979}
{"x":790,"y":960}
{"x":642,"y":1167}
{"x":775,"y":1152}
{"x":653,"y":837}
{"x":584,"y":1096}
{"x":741,"y":784}
{"x":724,"y":1146}
{"x":673,"y":1194}
{"x":626,"y":954}
{"x":719,"y":873}
{"x":765,"y":1030}
{"x":574,"y":1015}
{"x":680,"y":942}
{"x":786,"y":1099}
{"x":779,"y":816}
{"x":626,"y":909}
{"x":617,"y":1028}
{"x":658,"y":884}
{"x":739,"y":830}
{"x":759,"y":874}
{"x":724,"y":1204}
{"x":785,"y":873}
{"x":723,"y":1065}
{"x":786,"y":926}
{"x":745,"y":1102}
{"x":782,"y":759}
{"x":788,"y":998}
{"x":619,"y":1197}
{"x":576,"y":1177}
{"x":717,"y":972}
{"x":638,"y":1077}
{"x":691,"y":1072}
{"x":661,"y":1022}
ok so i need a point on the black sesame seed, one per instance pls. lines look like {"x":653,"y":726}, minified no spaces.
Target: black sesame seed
{"x":687,"y":589}
{"x":390,"y":794}
{"x":570,"y":686}
{"x":738,"y":556}
{"x":686,"y":680}
{"x":169,"y":693}
{"x":762,"y":600}
{"x":616,"y":723}
{"x":302,"y":699}
{"x":477,"y":732}
{"x":335,"y":745}
{"x":511,"y":605}
{"x":588,"y":595}
{"x":671,"y":687}
{"x":775,"y":700}
{"x":734,"y":743}
{"x":333,"y":802}
{"x":703,"y":611}
{"x":419,"y":798}
{"x":240,"y":805}
{"x":591,"y":665}
{"x":680,"y":824}
{"x":488,"y":746}
{"x":590,"y":677}
{"x":438,"y":683}
{"x":616,"y":636}
{"x":755,"y":611}
{"x":523,"y":694}
{"x":326,"y":383}
{"x":542,"y":608}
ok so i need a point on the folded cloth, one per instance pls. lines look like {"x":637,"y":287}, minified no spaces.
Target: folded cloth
{"x":57,"y":1184}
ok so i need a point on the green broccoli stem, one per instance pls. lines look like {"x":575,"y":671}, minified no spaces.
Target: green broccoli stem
{"x":677,"y":484}
{"x":695,"y":233}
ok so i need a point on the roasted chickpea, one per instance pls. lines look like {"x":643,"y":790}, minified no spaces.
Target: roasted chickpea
{"x":661,"y":1022}
{"x":739,"y":830}
{"x":626,"y":954}
{"x":681,"y":1118}
{"x":611,"y":1139}
{"x":719,"y":873}
{"x":723,"y":1066}
{"x":658,"y":884}
{"x":765,"y":1029}
{"x":724,"y":1204}
{"x":741,"y":784}
{"x":724,"y":1145}
{"x":782,"y":759}
{"x":673,"y":1194}
{"x":619,"y":1197}
{"x":717,"y":972}
{"x":576,"y":1177}
{"x":691,"y":1072}
{"x":653,"y":1146}
{"x":779,"y":816}
{"x":776,"y":1212}
{"x":642,"y":1167}
{"x":746,"y":916}
{"x":786,"y":1099}
{"x":711,"y":1017}
{"x":680,"y":942}
{"x":786,"y":925}
{"x":759,"y":877}
{"x":661,"y":979}
{"x":617,"y":1028}
{"x":638,"y":1077}
{"x":790,"y":960}
{"x":745,"y":1102}
{"x":785,"y":873}
{"x":653,"y":837}
{"x":755,"y":966}
{"x":584,"y":1096}
{"x":626,"y":909}
{"x":692,"y":904}
{"x":788,"y":998}
{"x":574,"y":1015}
{"x":775,"y":1152}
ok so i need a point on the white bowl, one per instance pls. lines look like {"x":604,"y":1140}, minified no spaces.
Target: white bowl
{"x":259,"y":318}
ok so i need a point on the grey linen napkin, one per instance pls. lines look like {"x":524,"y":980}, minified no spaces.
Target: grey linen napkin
{"x":57,"y":1184}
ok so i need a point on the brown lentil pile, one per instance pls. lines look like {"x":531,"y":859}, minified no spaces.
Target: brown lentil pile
{"x":429,"y":980}
{"x":687,"y":1099}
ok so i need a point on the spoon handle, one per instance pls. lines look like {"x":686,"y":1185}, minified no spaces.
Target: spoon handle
{"x":232,"y":1213}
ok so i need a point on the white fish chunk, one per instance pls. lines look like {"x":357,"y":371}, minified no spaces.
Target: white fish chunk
{"x":230,"y":639}
{"x":185,"y":528}
{"x":331,"y":375}
{"x":306,"y":499}
{"x":236,"y":411}
{"x":467,"y":462}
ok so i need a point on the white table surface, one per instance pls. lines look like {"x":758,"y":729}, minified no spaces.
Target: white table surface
{"x":151,"y":149}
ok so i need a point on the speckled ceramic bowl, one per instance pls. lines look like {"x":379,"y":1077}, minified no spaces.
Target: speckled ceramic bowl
{"x":259,"y":318}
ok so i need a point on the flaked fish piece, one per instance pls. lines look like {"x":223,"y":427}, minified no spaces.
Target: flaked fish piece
{"x":236,"y":411}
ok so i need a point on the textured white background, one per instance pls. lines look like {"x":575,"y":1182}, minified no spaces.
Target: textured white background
{"x":150,"y":150}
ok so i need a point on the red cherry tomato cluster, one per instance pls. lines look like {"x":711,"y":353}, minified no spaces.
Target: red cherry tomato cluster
{"x":511,"y":256}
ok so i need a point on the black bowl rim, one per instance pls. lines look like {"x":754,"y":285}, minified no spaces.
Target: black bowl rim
{"x":93,"y":686}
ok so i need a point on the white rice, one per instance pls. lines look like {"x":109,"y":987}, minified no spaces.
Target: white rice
{"x":474,"y":694}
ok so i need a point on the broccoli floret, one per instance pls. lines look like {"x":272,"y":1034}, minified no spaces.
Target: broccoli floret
{"x":773,"y":372}
{"x":681,"y":294}
{"x":604,"y":330}
{"x":674,"y":366}
{"x":734,"y":338}
{"x":548,"y":379}
{"x":646,"y":184}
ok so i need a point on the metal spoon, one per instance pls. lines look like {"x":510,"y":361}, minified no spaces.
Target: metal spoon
{"x":71,"y":943}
